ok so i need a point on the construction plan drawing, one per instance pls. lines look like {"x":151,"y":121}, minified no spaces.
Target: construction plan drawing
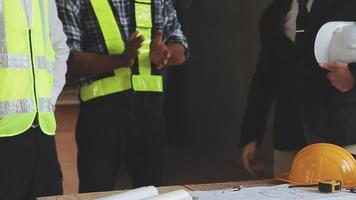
{"x":280,"y":192}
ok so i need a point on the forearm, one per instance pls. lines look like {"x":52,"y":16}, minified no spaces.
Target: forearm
{"x":92,"y":63}
{"x":177,"y":54}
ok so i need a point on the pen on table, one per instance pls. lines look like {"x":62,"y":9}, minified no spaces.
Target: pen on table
{"x":233,"y":189}
{"x":295,"y":186}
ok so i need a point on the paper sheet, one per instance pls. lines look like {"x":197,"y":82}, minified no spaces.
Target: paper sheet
{"x":176,"y":195}
{"x":136,"y":194}
{"x":280,"y":192}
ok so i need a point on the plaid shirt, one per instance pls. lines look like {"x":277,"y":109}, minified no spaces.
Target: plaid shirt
{"x":84,"y":34}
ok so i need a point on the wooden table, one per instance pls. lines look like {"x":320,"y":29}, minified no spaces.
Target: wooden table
{"x":202,"y":187}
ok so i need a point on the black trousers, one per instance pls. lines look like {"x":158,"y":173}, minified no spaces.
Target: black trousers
{"x":121,"y":127}
{"x":29,"y":166}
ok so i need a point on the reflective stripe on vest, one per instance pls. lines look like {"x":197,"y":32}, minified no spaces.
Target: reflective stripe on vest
{"x":144,"y":81}
{"x":114,"y":42}
{"x":24,"y":106}
{"x":115,"y":45}
{"x":26,"y":69}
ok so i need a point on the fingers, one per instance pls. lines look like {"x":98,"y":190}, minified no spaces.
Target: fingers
{"x":132,"y":47}
{"x":333,"y":80}
{"x":167,"y":56}
{"x":160,"y":53}
{"x":333,"y":66}
{"x":159,"y":35}
{"x":247,"y":157}
{"x":164,"y":59}
{"x":342,"y":82}
{"x":133,"y":35}
{"x":328,"y":66}
{"x":136,"y":42}
{"x":249,"y":167}
{"x":330,"y":76}
{"x":340,"y":88}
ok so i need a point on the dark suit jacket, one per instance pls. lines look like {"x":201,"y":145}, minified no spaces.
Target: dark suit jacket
{"x":307,"y":108}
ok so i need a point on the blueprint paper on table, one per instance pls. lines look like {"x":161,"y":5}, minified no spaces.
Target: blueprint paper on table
{"x":136,"y":194}
{"x":176,"y":195}
{"x":149,"y":193}
{"x":280,"y":192}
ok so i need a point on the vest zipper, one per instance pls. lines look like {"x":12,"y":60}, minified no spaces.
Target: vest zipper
{"x":34,"y":79}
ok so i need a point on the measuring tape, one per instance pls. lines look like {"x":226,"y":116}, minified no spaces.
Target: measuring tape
{"x":330,"y":186}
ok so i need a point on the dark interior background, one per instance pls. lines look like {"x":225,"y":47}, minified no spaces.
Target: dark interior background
{"x":206,"y":97}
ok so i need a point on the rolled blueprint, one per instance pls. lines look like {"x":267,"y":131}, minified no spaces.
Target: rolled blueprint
{"x":136,"y":194}
{"x":176,"y":195}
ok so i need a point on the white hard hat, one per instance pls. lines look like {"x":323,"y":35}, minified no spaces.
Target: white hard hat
{"x":336,"y":42}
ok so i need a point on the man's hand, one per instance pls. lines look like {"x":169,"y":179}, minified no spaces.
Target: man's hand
{"x":132,"y":48}
{"x":248,"y":156}
{"x":159,"y":52}
{"x":339,"y":76}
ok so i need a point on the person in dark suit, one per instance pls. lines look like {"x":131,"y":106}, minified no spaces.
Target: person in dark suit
{"x":314,"y":102}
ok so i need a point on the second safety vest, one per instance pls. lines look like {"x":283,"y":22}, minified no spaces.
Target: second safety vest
{"x":142,"y":77}
{"x":26,"y":69}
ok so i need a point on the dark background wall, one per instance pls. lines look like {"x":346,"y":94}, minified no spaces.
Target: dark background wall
{"x":206,"y":97}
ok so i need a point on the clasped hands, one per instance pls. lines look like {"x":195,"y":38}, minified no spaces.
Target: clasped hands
{"x":159,"y":52}
{"x":339,"y":75}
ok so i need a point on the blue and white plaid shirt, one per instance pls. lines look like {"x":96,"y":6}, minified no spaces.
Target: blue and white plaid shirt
{"x":84,"y":34}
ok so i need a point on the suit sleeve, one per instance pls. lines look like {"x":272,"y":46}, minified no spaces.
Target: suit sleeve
{"x":262,"y":91}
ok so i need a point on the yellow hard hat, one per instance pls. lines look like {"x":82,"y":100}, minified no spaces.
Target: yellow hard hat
{"x":320,"y":162}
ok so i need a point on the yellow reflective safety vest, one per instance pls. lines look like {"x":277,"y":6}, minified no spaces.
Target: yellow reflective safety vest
{"x":143,"y":77}
{"x":26,"y":69}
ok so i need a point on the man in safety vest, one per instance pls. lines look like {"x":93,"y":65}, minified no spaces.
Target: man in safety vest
{"x":32,"y":74}
{"x":120,"y":47}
